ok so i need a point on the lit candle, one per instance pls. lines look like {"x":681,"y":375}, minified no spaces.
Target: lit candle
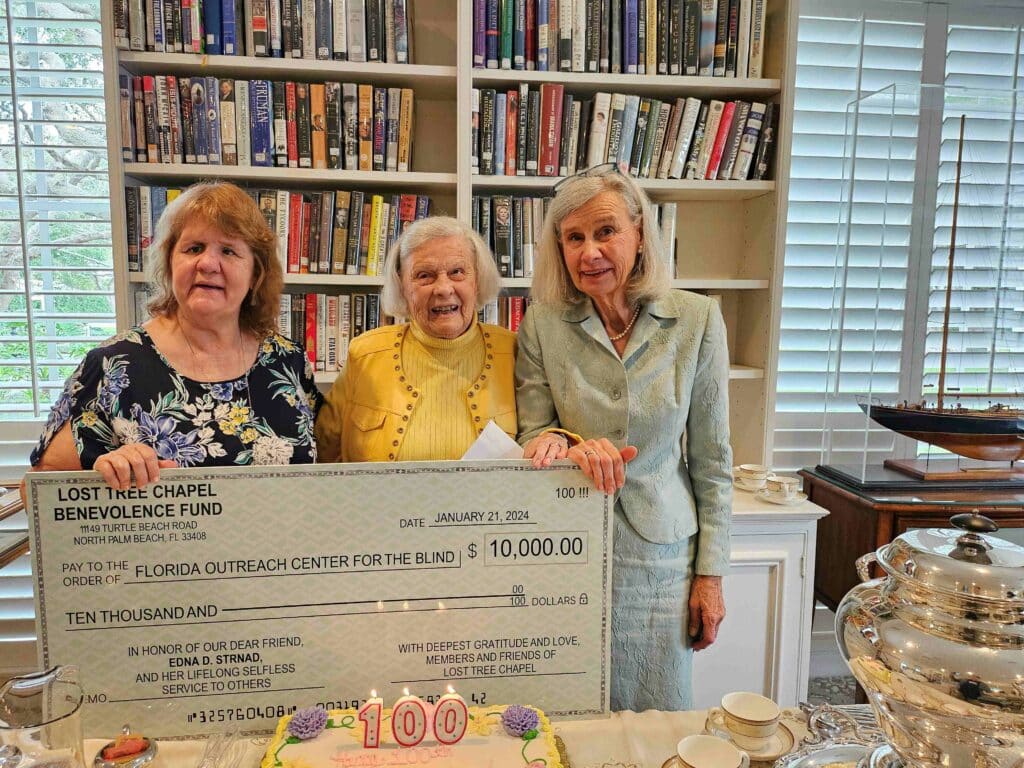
{"x":370,"y":714}
{"x":409,"y":720}
{"x":451,"y":716}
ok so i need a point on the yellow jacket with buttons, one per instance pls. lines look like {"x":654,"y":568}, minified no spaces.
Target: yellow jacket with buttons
{"x":367,"y":412}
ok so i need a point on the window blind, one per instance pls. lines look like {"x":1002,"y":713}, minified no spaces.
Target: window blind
{"x":986,"y":338}
{"x":56,"y":268}
{"x":838,"y":57}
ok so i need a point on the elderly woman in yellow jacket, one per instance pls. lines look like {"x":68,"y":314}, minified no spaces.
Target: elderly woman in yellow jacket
{"x":423,"y":390}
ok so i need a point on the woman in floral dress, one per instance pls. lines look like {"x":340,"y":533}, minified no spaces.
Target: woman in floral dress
{"x":207,"y":381}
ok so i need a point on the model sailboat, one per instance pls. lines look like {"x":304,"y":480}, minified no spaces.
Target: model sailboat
{"x":995,"y":433}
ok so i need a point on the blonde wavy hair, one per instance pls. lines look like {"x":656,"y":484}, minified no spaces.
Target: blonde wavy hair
{"x":552,"y":283}
{"x":228,"y":208}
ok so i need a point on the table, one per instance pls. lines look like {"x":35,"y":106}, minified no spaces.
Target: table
{"x":624,"y":740}
{"x":861,"y":520}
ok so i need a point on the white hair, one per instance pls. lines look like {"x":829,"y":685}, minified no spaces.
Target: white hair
{"x":488,"y":279}
{"x":552,"y":283}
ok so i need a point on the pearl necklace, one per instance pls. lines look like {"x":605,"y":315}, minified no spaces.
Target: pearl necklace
{"x":629,"y":325}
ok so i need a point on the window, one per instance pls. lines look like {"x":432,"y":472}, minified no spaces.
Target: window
{"x":56,"y":264}
{"x":886,"y":289}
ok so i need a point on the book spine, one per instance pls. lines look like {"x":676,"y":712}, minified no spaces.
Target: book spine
{"x":120,"y":14}
{"x":403,"y":54}
{"x":598,"y":144}
{"x":517,"y":237}
{"x":686,"y":137}
{"x":350,"y":118}
{"x":487,"y":98}
{"x":280,"y":102}
{"x":533,"y":133}
{"x":660,"y":140}
{"x":721,"y":137}
{"x":732,"y":144}
{"x":628,"y":132}
{"x":757,"y":30}
{"x":145,"y":225}
{"x":291,"y":114}
{"x":615,"y":38}
{"x":766,"y":143}
{"x":565,"y":35}
{"x":706,"y":44}
{"x":163,"y":116}
{"x":721,"y":38}
{"x":691,"y":169}
{"x":318,"y":125}
{"x":630,"y":37}
{"x":310,"y":329}
{"x":306,"y":230}
{"x":604,"y":46}
{"x":303,"y":127}
{"x":339,"y":40}
{"x":380,"y":116}
{"x":188,"y":146}
{"x":275,"y":34}
{"x":502,"y":222}
{"x":518,"y":34}
{"x":479,"y":33}
{"x":376,"y":211}
{"x":507,"y":23}
{"x":344,"y":328}
{"x":355,"y":227}
{"x":743,"y":40}
{"x":374,"y":38}
{"x":136,"y":26}
{"x":405,"y":119}
{"x":124,"y":87}
{"x":308,"y":13}
{"x":663,"y":25}
{"x":200,"y":125}
{"x":332,"y":107}
{"x":365,"y":127}
{"x":748,"y":142}
{"x":131,"y":201}
{"x":228,"y":122}
{"x":213,"y":120}
{"x":149,"y":105}
{"x":261,"y":114}
{"x":172,"y":27}
{"x":282,"y":218}
{"x":692,"y":24}
{"x":543,"y":35}
{"x":574,"y":134}
{"x":500,"y":115}
{"x":641,"y":139}
{"x":522,"y":128}
{"x":212,"y":26}
{"x":324,"y":34}
{"x":650,"y":136}
{"x":339,"y":244}
{"x":562,"y":148}
{"x":715,"y":109}
{"x":326,"y":232}
{"x":492,"y":41}
{"x":583,"y":137}
{"x":229,"y":28}
{"x":155,"y":26}
{"x":732,"y":38}
{"x":242,"y":122}
{"x":551,"y":128}
{"x":511,"y":131}
{"x":284,"y":315}
{"x":331,"y":334}
{"x":356,"y":30}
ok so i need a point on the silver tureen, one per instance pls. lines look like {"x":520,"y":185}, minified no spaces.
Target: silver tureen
{"x":938,"y":645}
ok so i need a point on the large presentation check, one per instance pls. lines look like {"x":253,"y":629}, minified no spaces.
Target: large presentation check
{"x":229,"y":596}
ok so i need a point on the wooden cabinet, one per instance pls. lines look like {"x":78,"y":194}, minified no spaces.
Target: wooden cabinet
{"x":765,"y":643}
{"x":860,"y":521}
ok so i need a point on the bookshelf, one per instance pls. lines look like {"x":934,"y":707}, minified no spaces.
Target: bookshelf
{"x":729,"y":233}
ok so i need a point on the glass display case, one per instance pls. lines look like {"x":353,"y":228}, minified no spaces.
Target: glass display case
{"x":925,"y":349}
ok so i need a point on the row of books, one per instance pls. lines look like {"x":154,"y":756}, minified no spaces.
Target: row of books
{"x":342,"y":30}
{"x":325,"y":324}
{"x":711,"y":38}
{"x":544,"y":131}
{"x":340,"y":232}
{"x":512,"y":227}
{"x":220,"y":121}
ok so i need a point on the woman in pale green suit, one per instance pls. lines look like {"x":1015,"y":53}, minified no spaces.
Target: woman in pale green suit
{"x":615,"y":368}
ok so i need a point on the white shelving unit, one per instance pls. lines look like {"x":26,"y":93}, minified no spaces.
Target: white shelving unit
{"x":729,"y":233}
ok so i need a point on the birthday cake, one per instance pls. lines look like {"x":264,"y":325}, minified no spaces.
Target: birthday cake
{"x":494,"y":737}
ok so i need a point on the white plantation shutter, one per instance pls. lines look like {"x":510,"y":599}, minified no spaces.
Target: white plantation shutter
{"x":839,"y":56}
{"x":986,"y":340}
{"x":56,"y":270}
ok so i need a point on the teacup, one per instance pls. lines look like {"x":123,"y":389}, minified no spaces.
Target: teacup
{"x":750,"y":717}
{"x":702,"y":751}
{"x":752,"y":476}
{"x":783,"y":485}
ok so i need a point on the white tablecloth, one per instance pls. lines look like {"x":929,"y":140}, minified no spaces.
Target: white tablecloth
{"x":624,"y":740}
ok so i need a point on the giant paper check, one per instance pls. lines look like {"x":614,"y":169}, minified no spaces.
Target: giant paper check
{"x":231,"y":596}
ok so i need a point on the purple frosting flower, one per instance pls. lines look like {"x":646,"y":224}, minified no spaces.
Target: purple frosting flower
{"x":307,"y":723}
{"x":518,"y":720}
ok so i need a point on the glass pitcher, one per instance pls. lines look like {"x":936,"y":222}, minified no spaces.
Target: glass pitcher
{"x":40,"y":725}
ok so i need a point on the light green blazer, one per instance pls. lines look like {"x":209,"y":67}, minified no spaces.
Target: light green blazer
{"x":669,"y":391}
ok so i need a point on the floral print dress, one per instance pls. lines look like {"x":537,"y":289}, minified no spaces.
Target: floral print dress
{"x":125,"y":391}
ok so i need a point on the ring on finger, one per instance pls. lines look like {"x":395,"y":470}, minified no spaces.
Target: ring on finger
{"x":590,"y":452}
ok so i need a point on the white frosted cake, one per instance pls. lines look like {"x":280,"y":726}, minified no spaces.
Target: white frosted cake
{"x":486,"y":744}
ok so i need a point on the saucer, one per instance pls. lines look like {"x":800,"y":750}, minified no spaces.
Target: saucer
{"x":775,"y":746}
{"x":765,"y":495}
{"x":747,"y":488}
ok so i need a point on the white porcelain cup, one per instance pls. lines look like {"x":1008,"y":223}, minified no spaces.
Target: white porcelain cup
{"x":783,"y":485}
{"x":751,"y":717}
{"x":702,"y":751}
{"x":752,"y":475}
